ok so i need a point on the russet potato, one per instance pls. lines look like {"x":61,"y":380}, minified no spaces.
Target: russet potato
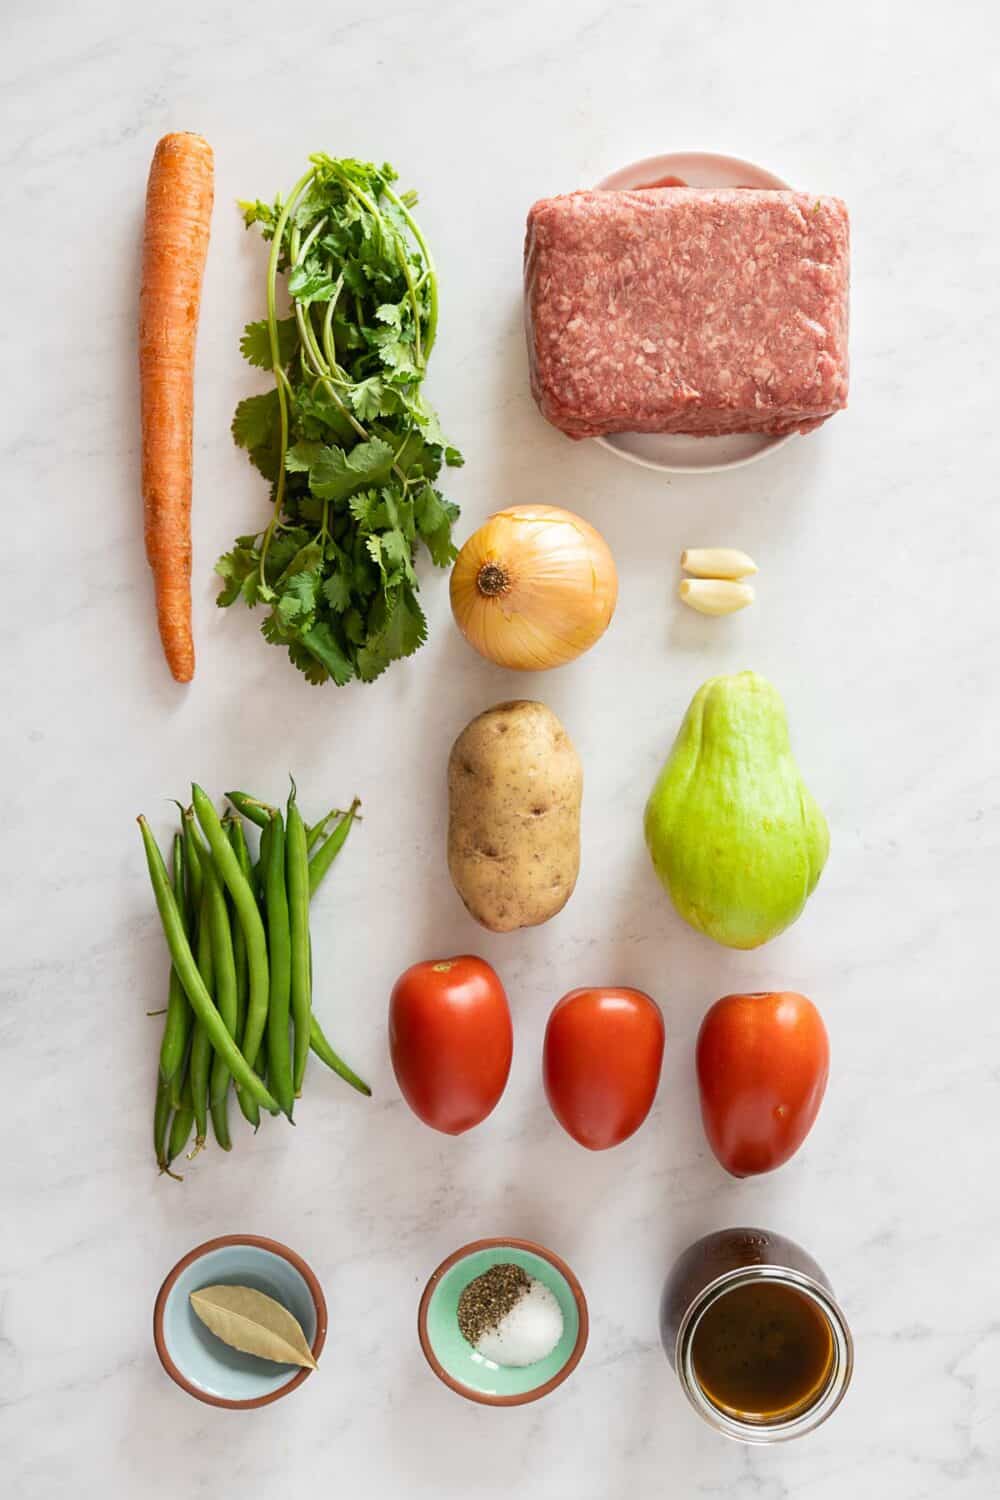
{"x":514,"y":787}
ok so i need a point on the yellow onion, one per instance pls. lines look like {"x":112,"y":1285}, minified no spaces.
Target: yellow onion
{"x":534,"y":587}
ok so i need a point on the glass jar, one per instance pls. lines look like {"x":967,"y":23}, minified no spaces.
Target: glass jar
{"x":763,"y":1268}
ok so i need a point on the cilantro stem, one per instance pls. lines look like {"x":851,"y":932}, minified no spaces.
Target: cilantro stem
{"x":280,"y":377}
{"x":308,"y":339}
{"x":300,"y":254}
{"x":430,"y":272}
{"x":404,"y":261}
{"x":329,"y":346}
{"x":309,"y":347}
{"x":322,"y":373}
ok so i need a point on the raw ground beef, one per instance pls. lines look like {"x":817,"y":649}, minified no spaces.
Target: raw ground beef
{"x":688,"y":310}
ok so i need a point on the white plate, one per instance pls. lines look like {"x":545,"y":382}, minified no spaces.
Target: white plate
{"x":673,"y":452}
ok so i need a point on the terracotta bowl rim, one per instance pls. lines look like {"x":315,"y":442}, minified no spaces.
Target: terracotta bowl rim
{"x":260,"y":1242}
{"x":487,"y":1398}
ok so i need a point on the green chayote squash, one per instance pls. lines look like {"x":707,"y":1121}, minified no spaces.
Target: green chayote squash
{"x":735,"y":835}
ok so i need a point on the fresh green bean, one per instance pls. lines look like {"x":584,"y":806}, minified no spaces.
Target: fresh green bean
{"x":259,"y":884}
{"x":201,"y":1000}
{"x":260,"y":871}
{"x":251,"y":807}
{"x":219,"y":1109}
{"x":318,"y":866}
{"x":223,"y":960}
{"x":225,"y":999}
{"x":279,"y":1058}
{"x":161,"y":1123}
{"x":248,"y":1106}
{"x":326,"y":1054}
{"x":297,"y":874}
{"x":200,"y":1059}
{"x":200,"y":1066}
{"x":328,"y":851}
{"x":192,"y":868}
{"x":180,"y":1126}
{"x":228,"y":867}
{"x":237,"y":839}
{"x":177,"y":1026}
{"x":178,"y":1080}
{"x":316,"y":831}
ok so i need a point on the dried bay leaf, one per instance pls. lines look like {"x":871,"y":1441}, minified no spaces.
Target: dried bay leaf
{"x":253,"y":1323}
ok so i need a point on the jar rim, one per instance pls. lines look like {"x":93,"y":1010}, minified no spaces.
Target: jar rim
{"x":833,"y":1390}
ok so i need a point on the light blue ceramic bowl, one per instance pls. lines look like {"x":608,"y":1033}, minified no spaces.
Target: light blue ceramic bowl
{"x":202,"y":1364}
{"x":460,"y":1366}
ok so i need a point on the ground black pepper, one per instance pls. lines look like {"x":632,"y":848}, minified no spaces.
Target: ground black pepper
{"x":486,"y":1301}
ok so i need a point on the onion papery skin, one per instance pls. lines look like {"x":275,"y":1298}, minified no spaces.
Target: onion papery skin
{"x":555,"y":587}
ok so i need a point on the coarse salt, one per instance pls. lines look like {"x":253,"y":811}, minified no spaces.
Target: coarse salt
{"x":528,"y":1332}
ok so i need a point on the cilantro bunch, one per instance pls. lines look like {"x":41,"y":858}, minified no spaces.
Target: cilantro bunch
{"x":345,"y":439}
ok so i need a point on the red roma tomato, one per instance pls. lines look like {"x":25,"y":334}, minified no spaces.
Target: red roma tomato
{"x":451,"y":1041}
{"x":601,"y":1063}
{"x":762,"y":1065}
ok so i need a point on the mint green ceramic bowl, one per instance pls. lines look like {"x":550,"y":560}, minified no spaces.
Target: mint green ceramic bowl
{"x":459,"y":1365}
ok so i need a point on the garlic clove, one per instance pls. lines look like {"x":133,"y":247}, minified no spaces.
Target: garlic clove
{"x":715,"y":596}
{"x":717,"y":562}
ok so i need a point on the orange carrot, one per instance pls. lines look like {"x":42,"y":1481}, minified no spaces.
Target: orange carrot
{"x":175,"y":244}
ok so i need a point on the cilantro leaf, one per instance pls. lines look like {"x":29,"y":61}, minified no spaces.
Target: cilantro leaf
{"x":318,"y":416}
{"x":396,"y":556}
{"x":255,"y":419}
{"x":354,"y":627}
{"x":323,"y":645}
{"x":395,"y":350}
{"x":371,"y":398}
{"x":310,"y":281}
{"x":302,"y":455}
{"x":286,"y":545}
{"x":366,"y":508}
{"x":235,"y":568}
{"x":426,"y":419}
{"x":417,"y":458}
{"x":434,"y":516}
{"x":262,"y":214}
{"x":402,"y":630}
{"x":308,"y":559}
{"x":255,"y":345}
{"x":256,"y":428}
{"x":309,"y":665}
{"x":337,"y":592}
{"x":335,"y":474}
{"x":297,"y":600}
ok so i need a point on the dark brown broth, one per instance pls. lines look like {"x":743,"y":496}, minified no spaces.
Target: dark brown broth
{"x":762,"y":1351}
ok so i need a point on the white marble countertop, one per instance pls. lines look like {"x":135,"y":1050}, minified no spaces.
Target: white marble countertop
{"x":876,"y":617}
